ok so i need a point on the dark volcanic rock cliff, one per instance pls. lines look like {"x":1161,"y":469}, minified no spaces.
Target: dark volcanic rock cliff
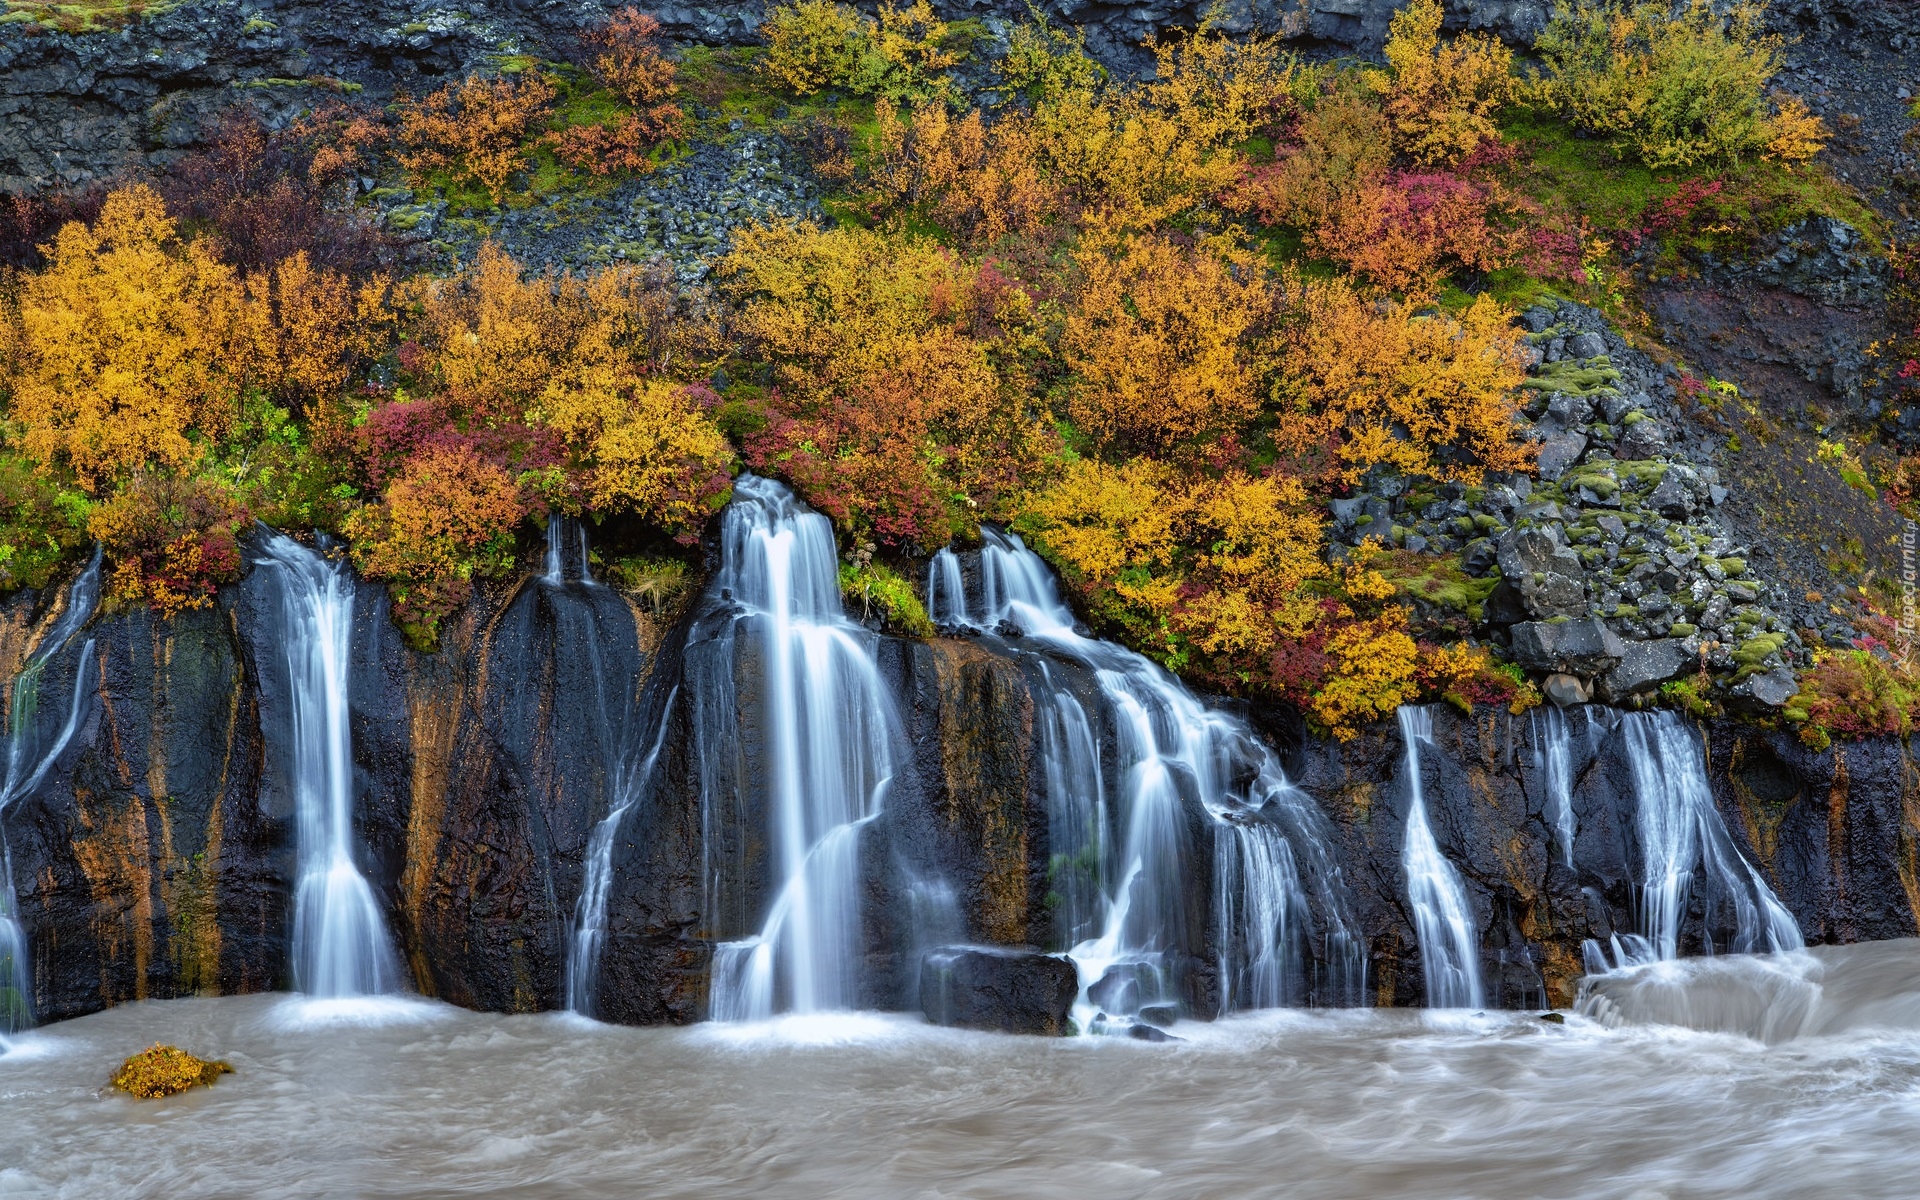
{"x":157,"y":857}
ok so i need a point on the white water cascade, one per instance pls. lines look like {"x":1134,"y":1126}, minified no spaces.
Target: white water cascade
{"x":1443,"y":920}
{"x":1553,"y":766}
{"x":828,"y":727}
{"x":1684,"y":842}
{"x":1121,"y":840}
{"x":29,"y":758}
{"x":626,"y":782}
{"x":340,"y":943}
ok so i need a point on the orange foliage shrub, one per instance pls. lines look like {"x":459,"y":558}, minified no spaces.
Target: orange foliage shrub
{"x":1155,"y":337}
{"x":477,"y":130}
{"x":1375,"y":382}
{"x":627,"y":61}
{"x":448,"y":516}
{"x":1406,"y":231}
{"x":1338,"y":144}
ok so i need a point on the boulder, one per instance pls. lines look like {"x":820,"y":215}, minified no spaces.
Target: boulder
{"x":1774,"y":688}
{"x":1555,"y":595}
{"x":1586,"y":345}
{"x":1567,"y":690}
{"x":1646,"y":665}
{"x":998,"y":988}
{"x":1559,"y":452}
{"x":1585,"y":648}
{"x":1672,"y":499}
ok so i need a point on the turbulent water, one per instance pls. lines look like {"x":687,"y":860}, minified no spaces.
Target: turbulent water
{"x":1324,"y":1105}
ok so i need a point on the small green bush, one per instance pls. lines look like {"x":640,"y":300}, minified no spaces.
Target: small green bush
{"x":876,"y":588}
{"x":1674,"y":91}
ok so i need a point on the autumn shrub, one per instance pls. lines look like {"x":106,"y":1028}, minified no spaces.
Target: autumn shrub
{"x":161,"y":1071}
{"x":28,"y":222}
{"x":1043,"y":63}
{"x":1367,"y":382}
{"x":479,"y":131}
{"x":134,"y":342}
{"x":902,"y":54}
{"x":1851,"y":694}
{"x":890,"y":409}
{"x":811,"y":45}
{"x":1156,"y":337}
{"x":1336,"y":144}
{"x":265,"y":195}
{"x":448,"y":516}
{"x":171,"y":542}
{"x":1675,"y":89}
{"x":642,"y":446}
{"x":1442,"y":99}
{"x":1465,"y":675}
{"x":624,"y":55}
{"x":1406,"y":231}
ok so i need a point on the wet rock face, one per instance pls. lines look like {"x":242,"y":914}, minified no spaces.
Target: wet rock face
{"x":1826,"y":831}
{"x":157,"y":859}
{"x":1010,"y":990}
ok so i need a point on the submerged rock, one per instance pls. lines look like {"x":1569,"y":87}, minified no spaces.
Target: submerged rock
{"x":1010,"y":990}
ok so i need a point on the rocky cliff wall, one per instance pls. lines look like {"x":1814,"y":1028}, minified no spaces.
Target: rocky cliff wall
{"x":157,"y":858}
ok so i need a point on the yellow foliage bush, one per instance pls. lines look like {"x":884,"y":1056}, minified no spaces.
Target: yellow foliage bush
{"x":645,"y":446}
{"x":1156,"y":339}
{"x":900,"y":54}
{"x":161,"y":1071}
{"x":1380,"y":382}
{"x":1442,"y":100}
{"x":1374,"y":672}
{"x":1676,"y":91}
{"x":136,"y":347}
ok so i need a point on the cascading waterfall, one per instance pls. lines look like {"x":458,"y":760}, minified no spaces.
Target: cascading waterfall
{"x":1553,"y":765}
{"x":1123,"y":907}
{"x":1443,"y":920}
{"x":340,"y":943}
{"x":946,"y":590}
{"x":1681,"y":832}
{"x":28,"y":761}
{"x":626,"y":782}
{"x":829,"y":728}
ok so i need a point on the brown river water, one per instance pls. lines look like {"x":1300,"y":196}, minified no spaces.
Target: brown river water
{"x":415,"y":1099}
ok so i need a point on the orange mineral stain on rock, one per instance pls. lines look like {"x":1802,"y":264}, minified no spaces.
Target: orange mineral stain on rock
{"x":986,"y":731}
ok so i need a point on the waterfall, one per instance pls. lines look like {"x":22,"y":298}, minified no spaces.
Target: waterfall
{"x":626,"y":780}
{"x":340,"y":944}
{"x":828,"y":727}
{"x":946,"y":591}
{"x":566,"y":561}
{"x":1681,"y":832}
{"x":1443,"y":920}
{"x":1123,"y":907}
{"x":1553,"y":766}
{"x":28,"y":762}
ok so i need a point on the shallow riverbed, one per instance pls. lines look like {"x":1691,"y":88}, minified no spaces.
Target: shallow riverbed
{"x":423,"y":1100}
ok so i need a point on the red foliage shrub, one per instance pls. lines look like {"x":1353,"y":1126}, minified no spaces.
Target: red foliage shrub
{"x":29,"y":222}
{"x":171,"y":541}
{"x":256,"y":191}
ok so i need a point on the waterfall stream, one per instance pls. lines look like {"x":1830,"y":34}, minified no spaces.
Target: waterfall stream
{"x":828,"y":730}
{"x":1553,"y":765}
{"x":626,"y":779}
{"x":1442,"y":917}
{"x":1684,"y":842}
{"x":28,"y":761}
{"x":340,"y":943}
{"x":1121,"y":839}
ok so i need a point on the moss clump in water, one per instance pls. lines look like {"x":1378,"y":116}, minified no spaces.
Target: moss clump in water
{"x":164,"y":1070}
